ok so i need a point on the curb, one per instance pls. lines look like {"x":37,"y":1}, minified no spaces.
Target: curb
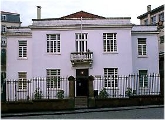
{"x":80,"y":111}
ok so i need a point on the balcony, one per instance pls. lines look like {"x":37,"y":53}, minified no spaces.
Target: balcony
{"x":81,"y":58}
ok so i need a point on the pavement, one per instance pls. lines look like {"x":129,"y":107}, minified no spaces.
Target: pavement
{"x":84,"y":110}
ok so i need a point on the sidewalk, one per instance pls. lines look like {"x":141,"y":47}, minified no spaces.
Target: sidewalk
{"x":78,"y":111}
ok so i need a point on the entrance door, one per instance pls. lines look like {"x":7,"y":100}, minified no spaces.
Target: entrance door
{"x":82,"y":82}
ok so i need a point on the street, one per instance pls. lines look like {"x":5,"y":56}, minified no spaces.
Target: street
{"x":147,"y":113}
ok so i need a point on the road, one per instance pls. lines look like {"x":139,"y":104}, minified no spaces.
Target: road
{"x":145,"y":113}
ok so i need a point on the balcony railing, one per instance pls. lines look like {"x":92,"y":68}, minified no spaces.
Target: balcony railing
{"x":81,"y":57}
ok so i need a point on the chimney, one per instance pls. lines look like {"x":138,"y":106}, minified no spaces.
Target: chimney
{"x":149,"y":8}
{"x":38,"y":12}
{"x":149,"y":14}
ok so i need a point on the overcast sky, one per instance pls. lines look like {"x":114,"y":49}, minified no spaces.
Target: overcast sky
{"x":58,"y":8}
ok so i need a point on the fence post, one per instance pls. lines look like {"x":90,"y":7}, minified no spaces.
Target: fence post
{"x":71,"y":80}
{"x":91,"y":100}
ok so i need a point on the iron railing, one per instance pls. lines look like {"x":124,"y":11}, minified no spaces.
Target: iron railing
{"x":103,"y":87}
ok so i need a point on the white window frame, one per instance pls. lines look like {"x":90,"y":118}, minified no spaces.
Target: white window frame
{"x":53,"y":44}
{"x":143,"y":79}
{"x":4,"y":18}
{"x":110,"y":43}
{"x":81,"y":42}
{"x":22,"y":80}
{"x":142,"y":47}
{"x":53,"y":78}
{"x":4,"y":28}
{"x":22,"y":49}
{"x":111,"y":78}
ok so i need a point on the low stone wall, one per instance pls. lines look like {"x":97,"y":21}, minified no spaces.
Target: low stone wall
{"x":37,"y":105}
{"x":68,"y":104}
{"x":132,"y":101}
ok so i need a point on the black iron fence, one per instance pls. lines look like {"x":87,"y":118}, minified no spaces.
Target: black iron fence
{"x":103,"y":87}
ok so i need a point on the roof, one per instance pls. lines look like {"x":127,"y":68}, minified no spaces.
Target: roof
{"x":4,"y":12}
{"x":78,"y":15}
{"x":158,"y":9}
{"x":82,"y":14}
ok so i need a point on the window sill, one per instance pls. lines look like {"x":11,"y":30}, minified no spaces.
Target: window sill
{"x":53,"y":53}
{"x":110,"y":52}
{"x":22,"y":58}
{"x":111,"y":88}
{"x":22,"y":90}
{"x":142,"y":56}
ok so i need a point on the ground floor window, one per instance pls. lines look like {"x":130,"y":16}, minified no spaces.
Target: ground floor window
{"x":22,"y":80}
{"x":143,"y":79}
{"x":110,"y":75}
{"x":53,"y":78}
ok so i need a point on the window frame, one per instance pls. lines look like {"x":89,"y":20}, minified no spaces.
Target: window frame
{"x":22,"y":81}
{"x":111,"y":79}
{"x":53,"y":45}
{"x":144,"y":78}
{"x":161,"y":16}
{"x":4,"y":29}
{"x":81,"y":42}
{"x":142,"y":47}
{"x":110,"y":44}
{"x":4,"y":18}
{"x":50,"y":83}
{"x":22,"y":49}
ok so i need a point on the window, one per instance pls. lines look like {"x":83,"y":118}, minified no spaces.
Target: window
{"x":161,"y":39}
{"x":153,"y":20}
{"x":81,"y":42}
{"x":22,"y":49}
{"x":146,"y":22}
{"x":22,"y":80}
{"x":109,"y":42}
{"x":161,"y":16}
{"x":110,"y":75}
{"x":3,"y":29}
{"x":3,"y":18}
{"x":141,"y":46}
{"x":53,"y":43}
{"x":53,"y":78}
{"x":143,"y":79}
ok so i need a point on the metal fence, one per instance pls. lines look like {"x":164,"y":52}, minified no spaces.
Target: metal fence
{"x":104,"y":87}
{"x":125,"y":86}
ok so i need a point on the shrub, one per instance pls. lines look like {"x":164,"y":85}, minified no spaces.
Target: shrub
{"x":128,"y":92}
{"x":103,"y":93}
{"x":38,"y":94}
{"x":60,"y":94}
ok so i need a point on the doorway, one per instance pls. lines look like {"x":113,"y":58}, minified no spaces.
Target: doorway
{"x":82,"y":82}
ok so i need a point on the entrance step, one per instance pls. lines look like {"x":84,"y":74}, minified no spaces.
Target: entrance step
{"x":81,"y":102}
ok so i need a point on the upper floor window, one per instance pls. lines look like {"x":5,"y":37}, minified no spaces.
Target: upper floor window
{"x":3,"y":17}
{"x":53,"y":43}
{"x":153,"y":20}
{"x":146,"y":22}
{"x":3,"y":29}
{"x":53,"y":78}
{"x":109,"y":42}
{"x":110,"y":75}
{"x":22,"y":49}
{"x":143,"y":79}
{"x":22,"y":80}
{"x":161,"y":16}
{"x":81,"y":42}
{"x":142,"y":46}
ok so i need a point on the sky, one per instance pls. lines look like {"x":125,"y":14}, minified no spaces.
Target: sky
{"x":58,"y":8}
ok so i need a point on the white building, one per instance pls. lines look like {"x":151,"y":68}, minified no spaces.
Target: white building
{"x":81,"y":44}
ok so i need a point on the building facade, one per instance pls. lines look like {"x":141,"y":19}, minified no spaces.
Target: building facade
{"x":79,"y":45}
{"x":8,"y":19}
{"x":156,"y":17}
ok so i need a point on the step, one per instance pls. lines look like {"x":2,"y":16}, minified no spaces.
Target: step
{"x":81,"y":102}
